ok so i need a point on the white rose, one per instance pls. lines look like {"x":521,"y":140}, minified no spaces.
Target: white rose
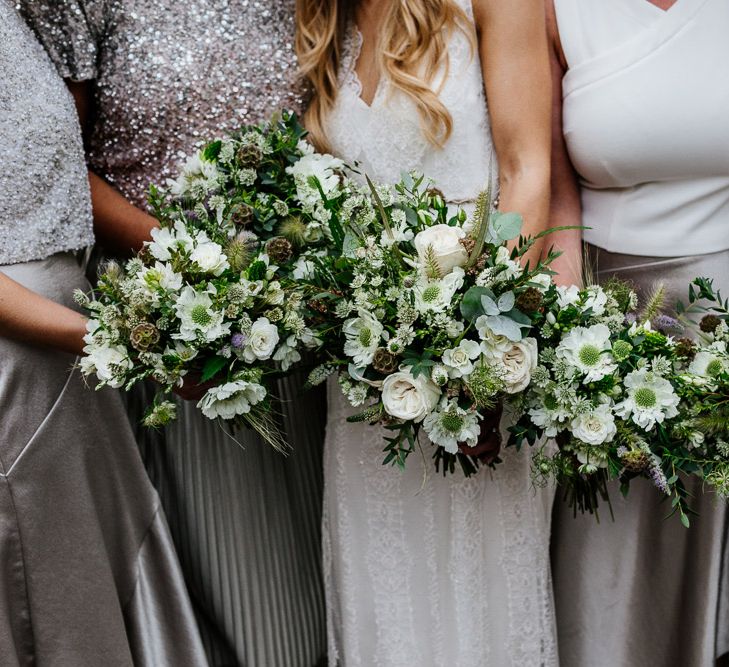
{"x":262,"y":340}
{"x":459,"y":360}
{"x":409,"y":398}
{"x":595,"y":427}
{"x":446,"y":247}
{"x":517,"y":364}
{"x":210,"y":258}
{"x":542,"y":281}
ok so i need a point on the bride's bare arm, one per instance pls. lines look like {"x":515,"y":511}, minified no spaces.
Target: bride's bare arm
{"x":119,"y":225}
{"x":514,"y":57}
{"x":565,"y":209}
{"x":31,"y":318}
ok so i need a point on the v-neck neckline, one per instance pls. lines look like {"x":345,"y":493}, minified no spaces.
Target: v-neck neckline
{"x":357,"y":42}
{"x":660,"y":9}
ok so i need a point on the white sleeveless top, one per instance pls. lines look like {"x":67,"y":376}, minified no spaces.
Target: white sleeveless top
{"x":386,"y":138}
{"x":646,"y":121}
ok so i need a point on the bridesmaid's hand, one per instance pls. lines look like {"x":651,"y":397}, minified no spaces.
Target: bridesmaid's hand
{"x":489,"y":442}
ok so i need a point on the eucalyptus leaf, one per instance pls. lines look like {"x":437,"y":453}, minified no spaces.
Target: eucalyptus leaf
{"x":504,"y":326}
{"x":490,"y":307}
{"x":506,"y":302}
{"x":506,"y":226}
{"x":471,"y":307}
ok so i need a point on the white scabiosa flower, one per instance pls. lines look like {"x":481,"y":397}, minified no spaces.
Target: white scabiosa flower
{"x":198,"y":318}
{"x":261,"y":341}
{"x":548,"y":415}
{"x":450,"y":426}
{"x":596,"y":426}
{"x":363,"y":335}
{"x":588,"y":350}
{"x":707,"y":365}
{"x":437,"y":295}
{"x":459,"y":360}
{"x":650,"y":399}
{"x":409,"y":398}
{"x":231,"y":399}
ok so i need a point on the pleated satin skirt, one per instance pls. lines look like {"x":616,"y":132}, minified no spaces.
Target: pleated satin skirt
{"x":246,"y":521}
{"x":88,"y":571}
{"x":643,"y":590}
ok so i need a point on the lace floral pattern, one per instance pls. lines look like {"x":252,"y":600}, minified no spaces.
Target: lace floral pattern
{"x":449,"y":571}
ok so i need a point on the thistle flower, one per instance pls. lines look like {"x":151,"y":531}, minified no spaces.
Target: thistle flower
{"x":238,"y":340}
{"x":709,"y":323}
{"x":241,"y":215}
{"x":279,"y":249}
{"x":634,"y":460}
{"x":529,"y":300}
{"x":384,"y":361}
{"x":249,"y":155}
{"x":144,"y":336}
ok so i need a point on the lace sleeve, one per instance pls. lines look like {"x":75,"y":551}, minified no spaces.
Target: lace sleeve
{"x":70,"y":31}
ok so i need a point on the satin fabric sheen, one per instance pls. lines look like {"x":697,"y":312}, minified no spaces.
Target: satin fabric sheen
{"x":88,"y":571}
{"x":642,"y":589}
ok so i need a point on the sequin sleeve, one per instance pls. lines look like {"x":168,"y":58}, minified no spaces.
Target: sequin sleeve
{"x":70,"y":30}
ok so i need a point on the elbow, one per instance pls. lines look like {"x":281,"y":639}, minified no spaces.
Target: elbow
{"x":530,"y":173}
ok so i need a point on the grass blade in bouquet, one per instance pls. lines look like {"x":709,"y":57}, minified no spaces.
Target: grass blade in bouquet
{"x":629,"y":393}
{"x":214,"y":298}
{"x":425,"y":315}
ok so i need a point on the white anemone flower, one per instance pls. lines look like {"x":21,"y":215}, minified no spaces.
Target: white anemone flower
{"x":650,"y":399}
{"x":363,"y":335}
{"x":587,"y":349}
{"x":451,"y":425}
{"x":198,"y":318}
{"x":231,"y":399}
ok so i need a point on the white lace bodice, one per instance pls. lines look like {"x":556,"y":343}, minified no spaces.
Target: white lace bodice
{"x":386,"y":139}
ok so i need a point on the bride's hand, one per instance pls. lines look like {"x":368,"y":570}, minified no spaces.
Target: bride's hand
{"x":489,"y":442}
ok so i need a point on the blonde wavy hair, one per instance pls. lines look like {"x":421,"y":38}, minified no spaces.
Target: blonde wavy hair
{"x":413,"y":49}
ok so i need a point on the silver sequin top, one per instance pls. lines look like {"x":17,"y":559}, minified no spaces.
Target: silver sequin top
{"x":44,"y":195}
{"x":169,"y":74}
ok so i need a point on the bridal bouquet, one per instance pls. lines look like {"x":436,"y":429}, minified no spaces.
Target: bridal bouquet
{"x":213,"y":297}
{"x":624,"y":397}
{"x":424,"y":313}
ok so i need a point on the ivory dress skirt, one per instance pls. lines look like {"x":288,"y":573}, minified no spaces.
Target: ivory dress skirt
{"x":88,"y":571}
{"x":642,"y":589}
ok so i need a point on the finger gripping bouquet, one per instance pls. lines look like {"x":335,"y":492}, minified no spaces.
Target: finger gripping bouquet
{"x":212,"y":299}
{"x":629,"y":393}
{"x":425,"y":314}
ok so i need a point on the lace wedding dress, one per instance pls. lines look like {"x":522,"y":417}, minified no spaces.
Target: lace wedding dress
{"x":453,"y":572}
